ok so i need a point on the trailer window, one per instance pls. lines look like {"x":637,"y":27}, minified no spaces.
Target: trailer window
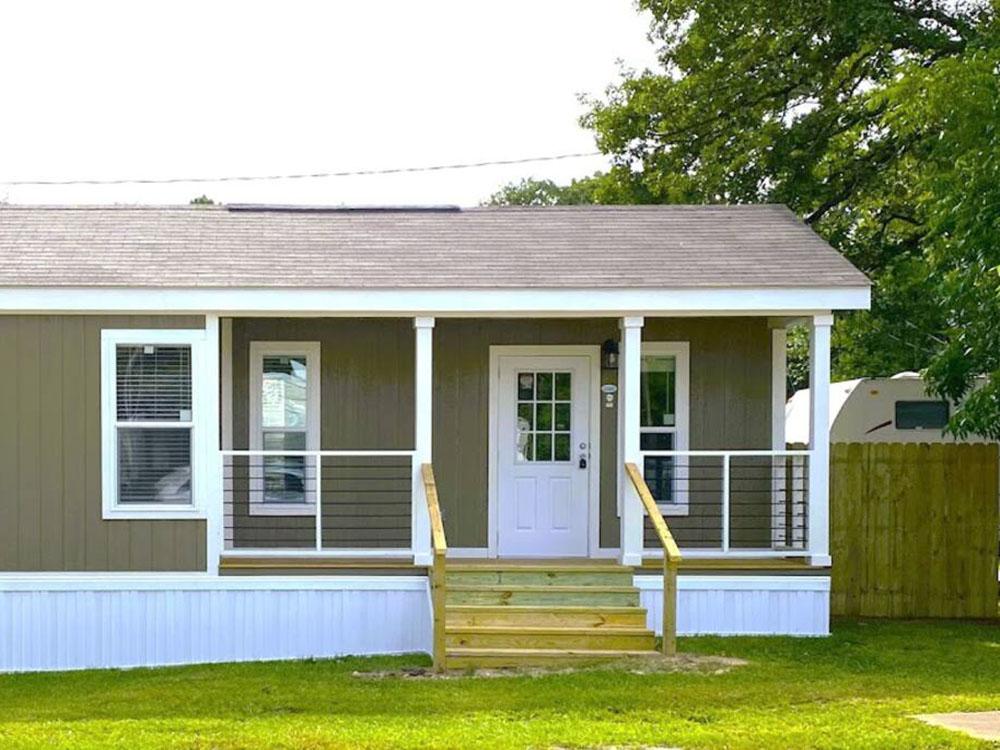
{"x":922,"y":415}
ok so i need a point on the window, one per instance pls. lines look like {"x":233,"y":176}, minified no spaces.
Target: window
{"x":922,"y":415}
{"x":544,"y":416}
{"x":284,"y":417}
{"x":149,"y":428}
{"x":663,"y":422}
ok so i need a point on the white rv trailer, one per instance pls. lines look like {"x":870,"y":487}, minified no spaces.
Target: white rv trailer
{"x":877,"y":410}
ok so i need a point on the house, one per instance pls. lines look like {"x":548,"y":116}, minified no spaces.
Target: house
{"x":897,"y":409}
{"x":230,"y":432}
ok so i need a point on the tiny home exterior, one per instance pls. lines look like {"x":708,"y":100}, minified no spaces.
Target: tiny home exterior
{"x":217,"y":419}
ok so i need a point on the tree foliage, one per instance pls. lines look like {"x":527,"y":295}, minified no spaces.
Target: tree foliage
{"x":874,"y":120}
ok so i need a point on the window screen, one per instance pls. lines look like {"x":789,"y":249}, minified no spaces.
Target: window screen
{"x":922,"y":415}
{"x":154,"y":423}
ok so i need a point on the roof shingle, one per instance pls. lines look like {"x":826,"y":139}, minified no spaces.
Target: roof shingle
{"x":600,"y":247}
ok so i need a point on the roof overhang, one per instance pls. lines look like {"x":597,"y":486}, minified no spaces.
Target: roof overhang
{"x":466,"y":302}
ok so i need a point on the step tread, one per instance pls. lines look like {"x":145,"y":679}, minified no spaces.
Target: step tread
{"x":546,"y":630}
{"x":553,"y":652}
{"x":536,"y":568}
{"x":533,"y":588}
{"x":562,"y":609}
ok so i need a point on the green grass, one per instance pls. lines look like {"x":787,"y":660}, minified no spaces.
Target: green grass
{"x":855,"y":689}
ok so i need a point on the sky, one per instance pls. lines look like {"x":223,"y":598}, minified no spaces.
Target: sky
{"x":103,"y":90}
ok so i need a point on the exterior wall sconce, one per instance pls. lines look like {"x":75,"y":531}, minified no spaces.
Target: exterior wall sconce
{"x":609,"y":355}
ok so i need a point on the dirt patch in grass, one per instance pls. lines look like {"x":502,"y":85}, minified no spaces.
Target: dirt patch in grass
{"x":652,"y":664}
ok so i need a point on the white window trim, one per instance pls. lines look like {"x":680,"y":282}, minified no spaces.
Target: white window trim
{"x":681,"y":351}
{"x":312,"y":351}
{"x":201,"y":424}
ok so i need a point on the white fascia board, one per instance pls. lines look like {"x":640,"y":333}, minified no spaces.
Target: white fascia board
{"x":439,"y":302}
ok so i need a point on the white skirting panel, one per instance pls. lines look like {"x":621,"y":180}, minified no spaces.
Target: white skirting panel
{"x":742,"y":605}
{"x":60,"y":622}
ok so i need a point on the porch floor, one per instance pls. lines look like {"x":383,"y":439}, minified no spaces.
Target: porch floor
{"x":319,"y":565}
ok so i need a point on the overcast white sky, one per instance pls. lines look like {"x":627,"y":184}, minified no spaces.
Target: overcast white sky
{"x":111,"y":90}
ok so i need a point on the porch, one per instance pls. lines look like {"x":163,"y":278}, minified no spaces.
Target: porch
{"x":528,"y":423}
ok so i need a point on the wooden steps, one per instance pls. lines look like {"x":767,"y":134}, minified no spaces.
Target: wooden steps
{"x":518,"y":614}
{"x":481,"y":658}
{"x":536,"y":616}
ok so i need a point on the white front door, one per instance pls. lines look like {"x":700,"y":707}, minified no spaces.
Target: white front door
{"x":543,"y":456}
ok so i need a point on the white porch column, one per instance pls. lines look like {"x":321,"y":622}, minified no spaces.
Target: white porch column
{"x":630,"y":507}
{"x":819,"y":439}
{"x":420,"y":522}
{"x":211,"y":423}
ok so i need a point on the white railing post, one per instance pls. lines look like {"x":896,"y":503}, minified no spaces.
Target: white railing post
{"x":819,"y":440}
{"x":630,"y":505}
{"x":420,"y":541}
{"x":725,"y":502}
{"x":319,"y":502}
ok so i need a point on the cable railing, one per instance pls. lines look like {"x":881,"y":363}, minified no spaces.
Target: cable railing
{"x":317,"y":502}
{"x":741,"y":502}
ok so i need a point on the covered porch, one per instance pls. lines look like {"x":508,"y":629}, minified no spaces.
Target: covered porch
{"x":528,"y":423}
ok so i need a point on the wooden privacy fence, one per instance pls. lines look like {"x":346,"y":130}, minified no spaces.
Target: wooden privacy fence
{"x":914,"y":529}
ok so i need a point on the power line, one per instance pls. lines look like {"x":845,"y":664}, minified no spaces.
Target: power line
{"x":301,"y":176}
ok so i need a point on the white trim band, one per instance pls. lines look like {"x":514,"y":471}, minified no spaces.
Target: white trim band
{"x":438,"y":302}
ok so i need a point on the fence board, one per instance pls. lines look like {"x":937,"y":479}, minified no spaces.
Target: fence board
{"x":914,"y":529}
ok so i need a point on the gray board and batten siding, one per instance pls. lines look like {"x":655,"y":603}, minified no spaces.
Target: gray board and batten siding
{"x":50,"y":462}
{"x":50,"y":454}
{"x":367,"y":404}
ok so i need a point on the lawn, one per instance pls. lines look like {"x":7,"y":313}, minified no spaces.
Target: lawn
{"x":855,"y":689}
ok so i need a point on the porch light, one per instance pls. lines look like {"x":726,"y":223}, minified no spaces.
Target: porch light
{"x":609,"y":354}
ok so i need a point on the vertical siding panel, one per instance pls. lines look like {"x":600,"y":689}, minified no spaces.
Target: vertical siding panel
{"x":95,"y":529}
{"x":163,"y":551}
{"x":74,"y":437}
{"x":29,"y":442}
{"x":51,"y":437}
{"x":137,"y":546}
{"x":9,"y":469}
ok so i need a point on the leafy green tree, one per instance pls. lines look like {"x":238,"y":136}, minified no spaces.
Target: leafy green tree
{"x":202,"y":200}
{"x":874,"y":120}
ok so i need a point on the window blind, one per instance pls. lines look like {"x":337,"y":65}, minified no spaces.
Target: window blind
{"x":154,"y":423}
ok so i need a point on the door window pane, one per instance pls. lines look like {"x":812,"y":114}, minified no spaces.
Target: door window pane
{"x":544,"y":382}
{"x":544,"y":416}
{"x":562,"y":447}
{"x":526,"y":386}
{"x":525,"y":417}
{"x":562,"y":421}
{"x":543,"y":446}
{"x":563,"y":388}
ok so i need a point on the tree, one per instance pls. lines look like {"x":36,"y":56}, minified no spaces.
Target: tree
{"x":202,"y":200}
{"x":850,"y":114}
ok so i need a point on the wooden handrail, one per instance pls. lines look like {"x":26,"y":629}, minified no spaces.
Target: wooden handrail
{"x":671,"y":558}
{"x":440,"y":549}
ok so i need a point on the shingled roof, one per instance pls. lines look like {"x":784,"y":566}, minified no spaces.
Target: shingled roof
{"x":600,"y":247}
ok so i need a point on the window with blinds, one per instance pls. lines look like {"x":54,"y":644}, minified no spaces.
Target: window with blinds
{"x":154,"y":424}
